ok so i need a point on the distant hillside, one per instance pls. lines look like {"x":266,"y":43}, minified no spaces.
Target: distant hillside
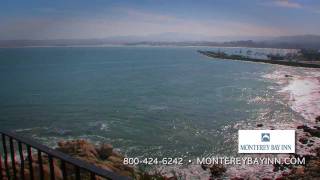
{"x":299,"y":39}
{"x":246,"y":43}
{"x":298,"y":42}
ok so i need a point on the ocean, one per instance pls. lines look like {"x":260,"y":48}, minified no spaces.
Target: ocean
{"x":146,"y":101}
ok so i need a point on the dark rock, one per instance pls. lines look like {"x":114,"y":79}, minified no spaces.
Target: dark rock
{"x":276,"y":167}
{"x":308,"y":157}
{"x":314,"y":132}
{"x":217,"y":170}
{"x":314,"y":165}
{"x":204,"y":166}
{"x":299,"y":170}
{"x":301,"y":126}
{"x":303,"y":140}
{"x":318,"y":119}
{"x":172,"y":178}
{"x":105,"y":151}
{"x":259,"y":125}
{"x":236,"y":178}
{"x":311,"y":131}
{"x":317,"y":151}
{"x":287,"y":75}
{"x":285,"y":174}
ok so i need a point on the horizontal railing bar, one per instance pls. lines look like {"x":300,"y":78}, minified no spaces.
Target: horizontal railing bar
{"x":59,"y":155}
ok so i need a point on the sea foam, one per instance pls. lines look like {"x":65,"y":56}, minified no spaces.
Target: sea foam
{"x":301,"y":88}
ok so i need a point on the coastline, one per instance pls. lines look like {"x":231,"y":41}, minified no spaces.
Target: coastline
{"x":246,"y":59}
{"x":300,"y":90}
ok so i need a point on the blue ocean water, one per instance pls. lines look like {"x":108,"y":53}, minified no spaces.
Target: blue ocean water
{"x":146,"y":101}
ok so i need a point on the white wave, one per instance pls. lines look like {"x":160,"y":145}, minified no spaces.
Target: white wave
{"x":304,"y":96}
{"x":301,"y":86}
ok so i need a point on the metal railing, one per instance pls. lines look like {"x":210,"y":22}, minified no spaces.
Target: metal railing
{"x":12,"y":164}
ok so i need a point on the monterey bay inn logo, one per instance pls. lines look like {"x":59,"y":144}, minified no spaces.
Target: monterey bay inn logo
{"x":266,"y":141}
{"x":265,"y":137}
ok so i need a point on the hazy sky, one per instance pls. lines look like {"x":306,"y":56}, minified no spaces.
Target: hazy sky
{"x":60,"y":19}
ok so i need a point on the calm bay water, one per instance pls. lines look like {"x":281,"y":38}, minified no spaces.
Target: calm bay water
{"x":146,"y":101}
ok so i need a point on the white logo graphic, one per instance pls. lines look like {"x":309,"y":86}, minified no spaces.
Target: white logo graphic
{"x":265,"y":137}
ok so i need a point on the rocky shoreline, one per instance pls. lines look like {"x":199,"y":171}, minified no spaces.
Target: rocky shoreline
{"x":301,"y":91}
{"x":311,"y":169}
{"x":106,"y":157}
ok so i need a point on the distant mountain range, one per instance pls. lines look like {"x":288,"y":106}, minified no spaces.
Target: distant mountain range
{"x":178,"y":39}
{"x":181,"y":37}
{"x":300,"y":41}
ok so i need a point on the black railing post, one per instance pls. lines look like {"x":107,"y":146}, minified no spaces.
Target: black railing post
{"x":13,"y":159}
{"x":51,"y":167}
{"x":77,"y":170}
{"x":30,"y":161}
{"x":40,"y":165}
{"x":1,"y":167}
{"x":21,"y":161}
{"x":63,"y":169}
{"x":5,"y":156}
{"x":92,"y":176}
